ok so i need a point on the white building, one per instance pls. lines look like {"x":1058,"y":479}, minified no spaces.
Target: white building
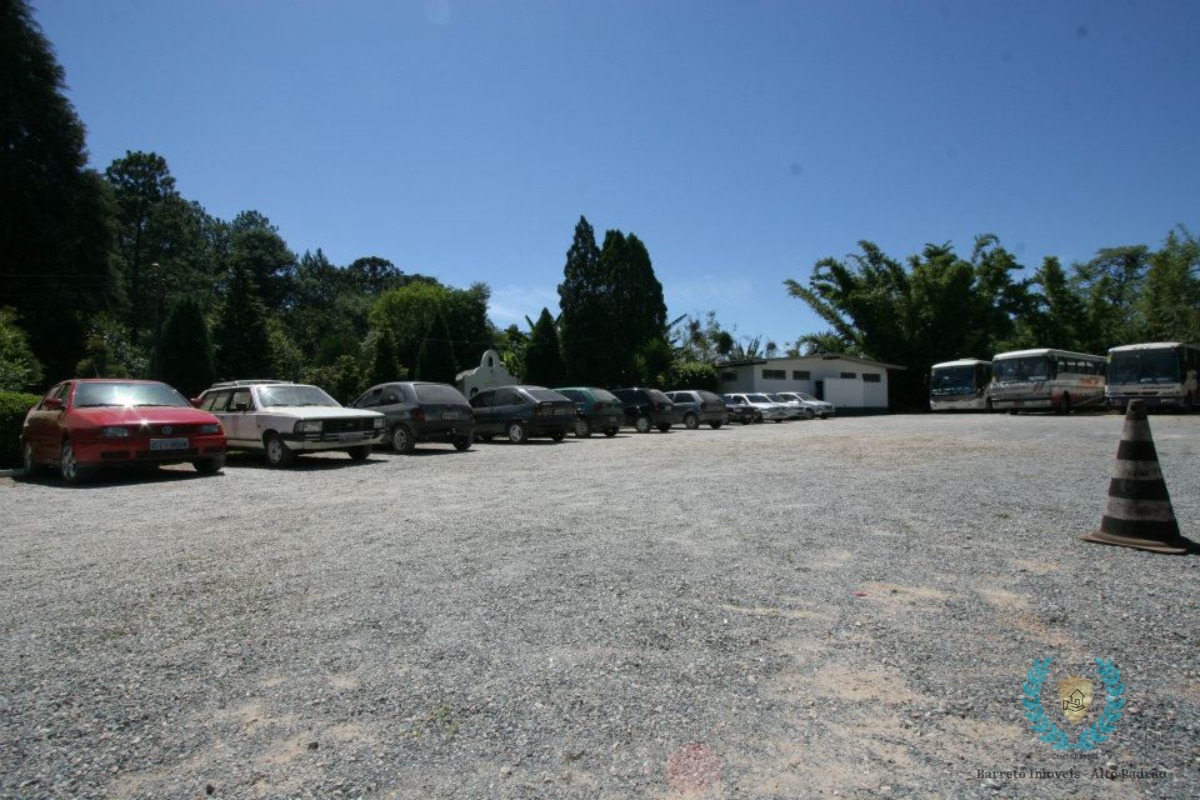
{"x":854,"y":385}
{"x":490,"y":372}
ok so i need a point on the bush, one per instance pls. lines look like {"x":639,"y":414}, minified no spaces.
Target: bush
{"x":13,"y":407}
{"x":693,"y":375}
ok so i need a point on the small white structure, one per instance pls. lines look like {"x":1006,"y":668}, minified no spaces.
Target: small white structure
{"x":854,"y":385}
{"x":490,"y":372}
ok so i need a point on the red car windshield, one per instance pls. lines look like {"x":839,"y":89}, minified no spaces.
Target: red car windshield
{"x":119,"y":393}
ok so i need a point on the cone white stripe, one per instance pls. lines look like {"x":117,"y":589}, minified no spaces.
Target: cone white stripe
{"x":1137,"y":431}
{"x":1140,"y":510}
{"x":1137,"y":470}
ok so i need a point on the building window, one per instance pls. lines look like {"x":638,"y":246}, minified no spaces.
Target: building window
{"x":849,"y":376}
{"x":872,"y":377}
{"x":728,"y":377}
{"x":774,"y":374}
{"x":801,"y":375}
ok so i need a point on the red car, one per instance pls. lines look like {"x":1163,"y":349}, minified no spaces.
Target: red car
{"x":83,"y":424}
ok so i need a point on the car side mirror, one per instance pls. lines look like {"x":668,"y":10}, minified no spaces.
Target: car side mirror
{"x":195,"y":401}
{"x":53,"y":403}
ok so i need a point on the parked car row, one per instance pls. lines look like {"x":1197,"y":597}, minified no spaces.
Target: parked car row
{"x":81,"y":425}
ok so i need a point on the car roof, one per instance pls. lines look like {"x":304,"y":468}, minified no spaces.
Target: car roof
{"x":254,"y":382}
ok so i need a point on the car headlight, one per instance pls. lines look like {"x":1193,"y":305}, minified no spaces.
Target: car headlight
{"x":211,"y":428}
{"x":308,"y":426}
{"x":115,"y":432}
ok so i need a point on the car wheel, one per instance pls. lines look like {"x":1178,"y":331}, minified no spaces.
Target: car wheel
{"x":558,"y":436}
{"x":278,"y":454}
{"x":29,"y":465}
{"x":69,"y":467}
{"x":583,"y":428}
{"x":462,"y":443}
{"x":359,"y":453}
{"x":642,"y":424}
{"x":610,"y":432}
{"x":714,"y":425}
{"x":691,"y":422}
{"x":403,"y":440}
{"x":809,"y":413}
{"x":517,"y":433}
{"x":209,"y":466}
{"x":664,"y":426}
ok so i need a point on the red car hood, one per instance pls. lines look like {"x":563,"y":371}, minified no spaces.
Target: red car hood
{"x":155,"y":415}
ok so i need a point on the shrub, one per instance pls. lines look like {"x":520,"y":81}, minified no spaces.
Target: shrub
{"x":693,"y":375}
{"x":13,"y":407}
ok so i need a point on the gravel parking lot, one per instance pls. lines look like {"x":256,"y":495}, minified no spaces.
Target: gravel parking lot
{"x":842,"y":608}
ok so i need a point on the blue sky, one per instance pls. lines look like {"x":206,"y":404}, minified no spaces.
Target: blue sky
{"x":741,"y":141}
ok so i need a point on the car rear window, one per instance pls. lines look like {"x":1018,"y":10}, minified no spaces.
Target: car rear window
{"x":438,"y":393}
{"x":709,"y":397}
{"x":604,"y":396}
{"x":544,"y":395}
{"x":657,"y":396}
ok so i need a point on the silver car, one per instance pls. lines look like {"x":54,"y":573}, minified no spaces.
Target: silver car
{"x":819,"y":408}
{"x":769,"y":408}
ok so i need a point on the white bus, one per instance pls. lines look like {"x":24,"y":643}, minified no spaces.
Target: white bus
{"x":1162,"y":374}
{"x":1047,"y":379}
{"x":960,"y":385}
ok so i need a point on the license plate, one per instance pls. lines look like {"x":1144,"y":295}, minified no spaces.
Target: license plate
{"x":350,"y":437}
{"x":180,"y":443}
{"x":562,"y":412}
{"x":451,"y":415}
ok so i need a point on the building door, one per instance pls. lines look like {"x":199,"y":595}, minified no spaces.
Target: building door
{"x":819,"y":389}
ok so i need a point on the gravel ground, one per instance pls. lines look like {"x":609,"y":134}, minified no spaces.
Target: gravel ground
{"x":843,"y":608}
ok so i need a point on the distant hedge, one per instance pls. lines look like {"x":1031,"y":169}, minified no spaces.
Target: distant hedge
{"x":13,"y":407}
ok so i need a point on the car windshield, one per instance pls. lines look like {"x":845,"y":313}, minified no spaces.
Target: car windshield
{"x":1149,"y":366}
{"x":1029,"y":368}
{"x":119,"y":393}
{"x":808,"y":398}
{"x":953,"y":380}
{"x":438,"y":393}
{"x":545,"y":395}
{"x":779,"y":398}
{"x":276,"y":396}
{"x":759,"y":398}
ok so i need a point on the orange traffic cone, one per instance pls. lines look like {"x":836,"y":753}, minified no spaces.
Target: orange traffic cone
{"x":1139,"y":512}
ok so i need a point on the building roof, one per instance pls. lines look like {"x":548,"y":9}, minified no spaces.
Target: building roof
{"x":815,"y":357}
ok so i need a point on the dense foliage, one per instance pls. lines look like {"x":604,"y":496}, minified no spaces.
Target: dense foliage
{"x":13,"y":408}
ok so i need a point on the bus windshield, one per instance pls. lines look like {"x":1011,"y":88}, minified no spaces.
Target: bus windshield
{"x":1029,"y":368}
{"x":953,"y":380}
{"x":1144,"y":366}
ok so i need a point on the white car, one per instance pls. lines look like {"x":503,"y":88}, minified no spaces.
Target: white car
{"x":769,"y":408}
{"x":819,"y":407}
{"x":283,"y":419}
{"x":798,"y":409}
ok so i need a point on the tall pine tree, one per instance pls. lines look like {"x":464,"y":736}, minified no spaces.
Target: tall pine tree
{"x":584,"y":298}
{"x":54,"y":234}
{"x":242,"y":336}
{"x":543,"y":359}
